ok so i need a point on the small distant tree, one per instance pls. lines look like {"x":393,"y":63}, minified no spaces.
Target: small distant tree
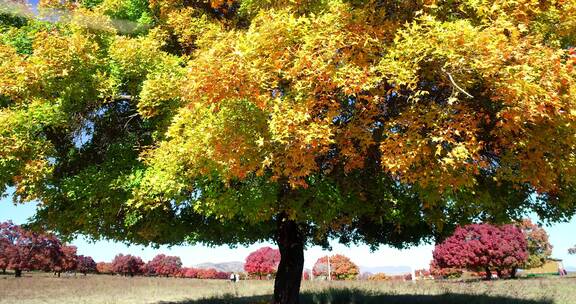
{"x":127,"y":265}
{"x":378,"y":277}
{"x":572,"y":250}
{"x":164,"y":265}
{"x":538,"y":245}
{"x":210,"y":273}
{"x":444,"y":273}
{"x":483,"y":246}
{"x":262,"y":262}
{"x":104,"y":267}
{"x":86,"y":264}
{"x":422,"y":273}
{"x":191,"y":273}
{"x":222,"y":275}
{"x":341,"y":267}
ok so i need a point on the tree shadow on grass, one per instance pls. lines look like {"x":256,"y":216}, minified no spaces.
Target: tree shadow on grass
{"x":351,"y":296}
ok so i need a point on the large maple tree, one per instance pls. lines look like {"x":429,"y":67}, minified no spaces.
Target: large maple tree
{"x":226,"y":122}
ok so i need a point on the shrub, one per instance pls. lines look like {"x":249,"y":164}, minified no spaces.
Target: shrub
{"x":341,"y":267}
{"x":483,"y":247}
{"x":378,"y":277}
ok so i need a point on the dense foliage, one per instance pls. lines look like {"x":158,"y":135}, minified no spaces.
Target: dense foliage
{"x":201,"y":273}
{"x":339,"y":266}
{"x":572,"y":250}
{"x":444,"y":272}
{"x":376,"y":121}
{"x":483,"y":247}
{"x":164,"y":265}
{"x":22,"y":249}
{"x":262,"y":262}
{"x":86,"y":264}
{"x":104,"y":268}
{"x":539,"y":248}
{"x":127,"y":265}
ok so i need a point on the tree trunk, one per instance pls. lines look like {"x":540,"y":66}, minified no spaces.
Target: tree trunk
{"x":513,"y":272}
{"x":3,"y":270}
{"x":289,"y":276}
{"x":18,"y":273}
{"x":499,"y":273}
{"x":488,"y":274}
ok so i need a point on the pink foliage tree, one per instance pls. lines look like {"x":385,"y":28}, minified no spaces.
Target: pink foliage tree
{"x":164,"y":265}
{"x":263,"y":261}
{"x":63,"y":259}
{"x":127,"y":265}
{"x":86,"y":264}
{"x":26,"y":250}
{"x":483,"y":246}
{"x":189,"y":272}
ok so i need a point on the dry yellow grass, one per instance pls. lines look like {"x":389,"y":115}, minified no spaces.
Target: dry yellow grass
{"x":101,"y":289}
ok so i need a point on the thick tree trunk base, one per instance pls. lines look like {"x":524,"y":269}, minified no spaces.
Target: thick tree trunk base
{"x":17,"y":273}
{"x":289,"y":276}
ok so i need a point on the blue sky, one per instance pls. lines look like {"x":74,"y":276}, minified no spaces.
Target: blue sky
{"x":562,"y":237}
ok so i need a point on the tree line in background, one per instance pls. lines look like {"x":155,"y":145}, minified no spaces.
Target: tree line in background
{"x":477,"y":248}
{"x":22,"y":250}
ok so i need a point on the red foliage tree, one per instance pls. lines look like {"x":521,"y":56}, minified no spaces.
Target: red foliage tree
{"x":207,"y":273}
{"x":263,"y":261}
{"x":341,"y":267}
{"x":127,"y":265}
{"x":26,"y":250}
{"x":164,"y":265}
{"x":191,"y":273}
{"x":86,"y":264}
{"x":222,"y":275}
{"x":483,"y":246}
{"x":63,"y":259}
{"x":3,"y":257}
{"x":104,"y":268}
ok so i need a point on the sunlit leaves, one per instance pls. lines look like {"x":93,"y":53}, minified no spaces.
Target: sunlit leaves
{"x":376,"y":121}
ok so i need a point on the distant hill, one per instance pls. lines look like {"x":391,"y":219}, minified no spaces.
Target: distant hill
{"x":225,"y":267}
{"x":386,"y":269}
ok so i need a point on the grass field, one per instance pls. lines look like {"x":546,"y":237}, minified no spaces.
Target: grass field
{"x":97,"y":289}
